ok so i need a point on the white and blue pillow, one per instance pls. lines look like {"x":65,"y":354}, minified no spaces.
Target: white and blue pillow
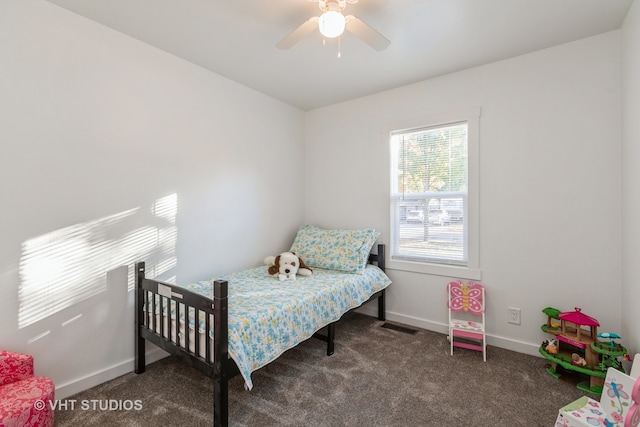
{"x":340,"y":250}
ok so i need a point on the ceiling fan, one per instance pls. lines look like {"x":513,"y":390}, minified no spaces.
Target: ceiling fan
{"x":332,"y":23}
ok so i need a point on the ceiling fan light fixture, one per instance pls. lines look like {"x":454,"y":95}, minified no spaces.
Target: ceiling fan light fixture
{"x":331,"y":24}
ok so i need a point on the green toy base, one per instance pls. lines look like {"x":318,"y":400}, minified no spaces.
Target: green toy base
{"x":574,"y":378}
{"x":553,"y":373}
{"x":584,"y":386}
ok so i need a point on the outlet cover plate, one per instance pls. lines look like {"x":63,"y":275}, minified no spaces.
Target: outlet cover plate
{"x":514,"y":315}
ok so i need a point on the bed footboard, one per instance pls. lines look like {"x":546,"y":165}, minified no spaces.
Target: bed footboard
{"x":157,"y":303}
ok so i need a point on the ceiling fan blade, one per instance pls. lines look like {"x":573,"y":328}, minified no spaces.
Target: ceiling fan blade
{"x":364,"y":32}
{"x":298,"y":34}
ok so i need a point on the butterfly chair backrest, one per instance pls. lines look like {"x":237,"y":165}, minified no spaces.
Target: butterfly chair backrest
{"x":466,"y":296}
{"x":617,"y":394}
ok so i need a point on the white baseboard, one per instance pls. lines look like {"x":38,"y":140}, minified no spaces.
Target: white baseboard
{"x":442,"y":328}
{"x":97,"y":378}
{"x":76,"y":386}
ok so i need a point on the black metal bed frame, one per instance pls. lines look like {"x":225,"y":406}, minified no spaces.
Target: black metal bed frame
{"x":158,"y":296}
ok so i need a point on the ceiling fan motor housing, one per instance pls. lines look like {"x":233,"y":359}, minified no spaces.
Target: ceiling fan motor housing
{"x":334,"y":5}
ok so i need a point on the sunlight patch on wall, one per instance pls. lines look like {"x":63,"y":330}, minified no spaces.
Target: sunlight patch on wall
{"x":66,"y":266}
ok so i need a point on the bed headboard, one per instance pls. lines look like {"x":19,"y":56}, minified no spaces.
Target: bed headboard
{"x":378,"y":258}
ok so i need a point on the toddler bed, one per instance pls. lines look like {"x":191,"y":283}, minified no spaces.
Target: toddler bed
{"x":243,"y":321}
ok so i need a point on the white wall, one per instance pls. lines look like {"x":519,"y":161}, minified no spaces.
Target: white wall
{"x":81,"y":105}
{"x":550,"y":183}
{"x":96,"y":129}
{"x":631,"y":178}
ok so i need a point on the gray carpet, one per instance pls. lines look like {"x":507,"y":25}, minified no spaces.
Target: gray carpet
{"x":377,"y":377}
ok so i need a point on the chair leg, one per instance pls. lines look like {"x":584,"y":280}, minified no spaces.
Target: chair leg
{"x":451,"y":341}
{"x":484,"y":348}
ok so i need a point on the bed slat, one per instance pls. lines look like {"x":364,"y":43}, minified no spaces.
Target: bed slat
{"x":178,"y":324}
{"x":196,"y":334}
{"x":169,"y":322}
{"x":187,"y":322}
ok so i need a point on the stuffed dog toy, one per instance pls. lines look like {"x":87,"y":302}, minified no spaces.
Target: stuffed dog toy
{"x":286,"y":265}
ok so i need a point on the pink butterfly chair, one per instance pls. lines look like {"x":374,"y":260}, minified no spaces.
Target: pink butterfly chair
{"x":466,"y":303}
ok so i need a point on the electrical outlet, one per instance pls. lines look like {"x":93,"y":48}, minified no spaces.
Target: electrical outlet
{"x":513,"y":315}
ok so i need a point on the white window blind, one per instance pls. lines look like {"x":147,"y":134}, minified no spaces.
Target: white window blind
{"x":429,"y":194}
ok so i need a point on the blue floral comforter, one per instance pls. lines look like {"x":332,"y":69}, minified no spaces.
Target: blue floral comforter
{"x":268,"y":317}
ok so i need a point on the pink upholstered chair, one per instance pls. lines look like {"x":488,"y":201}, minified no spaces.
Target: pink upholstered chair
{"x":25,"y":400}
{"x":466,"y":316}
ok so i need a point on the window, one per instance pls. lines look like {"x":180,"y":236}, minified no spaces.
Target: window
{"x":433,"y":197}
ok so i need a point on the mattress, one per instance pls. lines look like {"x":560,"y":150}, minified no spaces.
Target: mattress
{"x":267,"y":317}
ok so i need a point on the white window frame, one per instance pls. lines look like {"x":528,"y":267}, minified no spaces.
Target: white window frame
{"x":472,"y":270}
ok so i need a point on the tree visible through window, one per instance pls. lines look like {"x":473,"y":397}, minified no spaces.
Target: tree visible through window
{"x":429,"y":194}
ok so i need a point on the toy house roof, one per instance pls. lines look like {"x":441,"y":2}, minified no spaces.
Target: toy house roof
{"x":578,"y":318}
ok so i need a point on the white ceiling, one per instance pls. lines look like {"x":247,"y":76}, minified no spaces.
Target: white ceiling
{"x":236,"y":38}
